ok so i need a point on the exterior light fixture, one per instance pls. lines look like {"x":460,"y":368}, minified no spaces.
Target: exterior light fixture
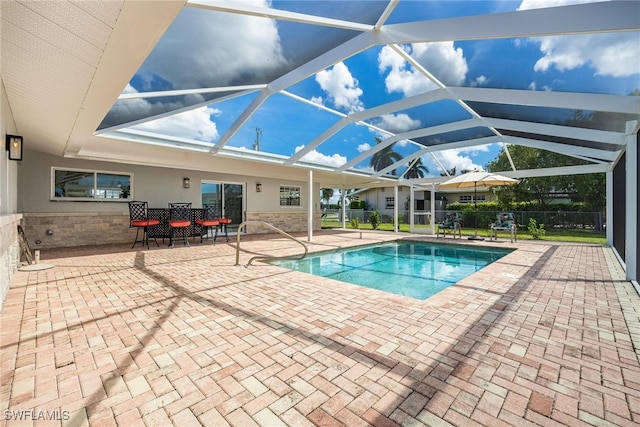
{"x":14,"y":147}
{"x":258,"y":187}
{"x":186,"y":183}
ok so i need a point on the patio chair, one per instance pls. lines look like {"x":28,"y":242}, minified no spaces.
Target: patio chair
{"x":452,"y":221}
{"x":224,"y":225}
{"x":179,"y":222}
{"x":504,"y":222}
{"x":210,"y":219}
{"x":139,"y":219}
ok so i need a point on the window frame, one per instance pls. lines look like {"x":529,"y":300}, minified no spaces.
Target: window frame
{"x":280,"y":198}
{"x":95,"y":189}
{"x":388,"y":205}
{"x":465,"y":198}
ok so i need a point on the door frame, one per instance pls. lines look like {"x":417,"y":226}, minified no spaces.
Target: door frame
{"x":222,"y":184}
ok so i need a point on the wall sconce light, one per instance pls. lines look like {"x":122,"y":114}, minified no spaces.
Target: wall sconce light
{"x":14,"y":147}
{"x":186,"y":183}
{"x":258,"y":188}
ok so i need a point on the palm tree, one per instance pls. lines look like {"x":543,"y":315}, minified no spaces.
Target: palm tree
{"x":348,"y":194}
{"x":451,"y":172}
{"x":416,"y":170}
{"x":327,"y":194}
{"x":385,"y":157}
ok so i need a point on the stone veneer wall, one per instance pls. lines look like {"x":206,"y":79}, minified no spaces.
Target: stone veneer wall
{"x":9,"y":252}
{"x":77,"y":229}
{"x":289,"y":222}
{"x":97,"y":228}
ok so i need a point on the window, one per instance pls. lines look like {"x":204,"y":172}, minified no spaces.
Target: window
{"x":469,"y":199}
{"x":389,"y":202}
{"x":77,"y":184}
{"x":289,"y":196}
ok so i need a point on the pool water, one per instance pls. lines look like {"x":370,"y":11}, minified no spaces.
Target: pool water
{"x":414,"y":269}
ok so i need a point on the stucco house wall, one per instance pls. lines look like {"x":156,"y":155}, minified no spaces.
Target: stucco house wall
{"x":52,"y":223}
{"x":10,"y":216}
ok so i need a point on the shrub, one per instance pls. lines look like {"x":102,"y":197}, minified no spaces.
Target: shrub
{"x":357,"y":204}
{"x":355,"y":223}
{"x":537,"y":231}
{"x":374,"y":219}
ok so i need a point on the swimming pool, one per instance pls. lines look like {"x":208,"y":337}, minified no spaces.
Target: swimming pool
{"x":415,"y":269}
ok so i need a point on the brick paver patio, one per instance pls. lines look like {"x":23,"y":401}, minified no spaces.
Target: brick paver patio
{"x":113,"y":336}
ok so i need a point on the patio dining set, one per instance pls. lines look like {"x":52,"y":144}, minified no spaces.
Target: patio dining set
{"x":177,"y":222}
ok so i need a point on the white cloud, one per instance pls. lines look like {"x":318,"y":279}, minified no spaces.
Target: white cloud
{"x":133,"y":109}
{"x":230,"y":49}
{"x":129,"y":89}
{"x":314,"y":156}
{"x":480,"y":81}
{"x":609,"y":54}
{"x":368,"y":169}
{"x":397,"y":123}
{"x":195,"y":124}
{"x":341,"y":87}
{"x":363,"y":147}
{"x":317,"y":100}
{"x":460,"y":158}
{"x":441,"y":59}
{"x":541,"y":4}
{"x":227,"y":46}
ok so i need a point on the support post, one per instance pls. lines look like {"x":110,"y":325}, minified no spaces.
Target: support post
{"x":310,"y":208}
{"x":412,"y":194}
{"x":631,"y":196}
{"x":344,"y":209}
{"x":396,"y":226}
{"x":432,"y":220}
{"x":609,"y":206}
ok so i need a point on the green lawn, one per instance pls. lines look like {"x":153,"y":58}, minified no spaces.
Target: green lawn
{"x":570,"y":235}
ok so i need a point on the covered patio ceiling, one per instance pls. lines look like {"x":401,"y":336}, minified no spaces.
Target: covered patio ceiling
{"x":209,"y":84}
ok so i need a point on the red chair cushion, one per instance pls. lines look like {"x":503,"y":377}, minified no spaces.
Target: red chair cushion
{"x":144,"y":222}
{"x":225,"y":220}
{"x":207,"y":222}
{"x":180,"y":223}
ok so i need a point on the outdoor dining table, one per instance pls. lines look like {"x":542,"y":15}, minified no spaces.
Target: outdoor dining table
{"x":163,"y":230}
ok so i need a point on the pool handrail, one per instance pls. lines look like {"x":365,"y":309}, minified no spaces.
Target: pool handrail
{"x":264,"y":257}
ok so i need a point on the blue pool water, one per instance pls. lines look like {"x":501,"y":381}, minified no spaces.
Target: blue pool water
{"x":415,"y":269}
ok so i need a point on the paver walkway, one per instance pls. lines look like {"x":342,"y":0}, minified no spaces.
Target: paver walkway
{"x":113,"y":336}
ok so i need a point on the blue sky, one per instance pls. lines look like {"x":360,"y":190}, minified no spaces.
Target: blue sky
{"x":207,"y":49}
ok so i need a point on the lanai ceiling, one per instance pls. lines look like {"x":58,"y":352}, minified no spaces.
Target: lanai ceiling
{"x":209,"y":85}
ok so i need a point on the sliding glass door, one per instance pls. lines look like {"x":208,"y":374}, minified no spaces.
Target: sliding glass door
{"x":227,"y":196}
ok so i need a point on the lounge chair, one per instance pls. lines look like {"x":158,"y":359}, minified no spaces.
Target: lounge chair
{"x":451,"y":222}
{"x":504,"y":222}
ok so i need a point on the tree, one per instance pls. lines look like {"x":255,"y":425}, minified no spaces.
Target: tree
{"x":592,"y":190}
{"x":348,"y":195}
{"x":584,"y":188}
{"x":450,"y":172}
{"x":385,"y":157}
{"x":327,"y":194}
{"x":416,"y":170}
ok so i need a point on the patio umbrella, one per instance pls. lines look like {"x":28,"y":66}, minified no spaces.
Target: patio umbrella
{"x":476,"y":180}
